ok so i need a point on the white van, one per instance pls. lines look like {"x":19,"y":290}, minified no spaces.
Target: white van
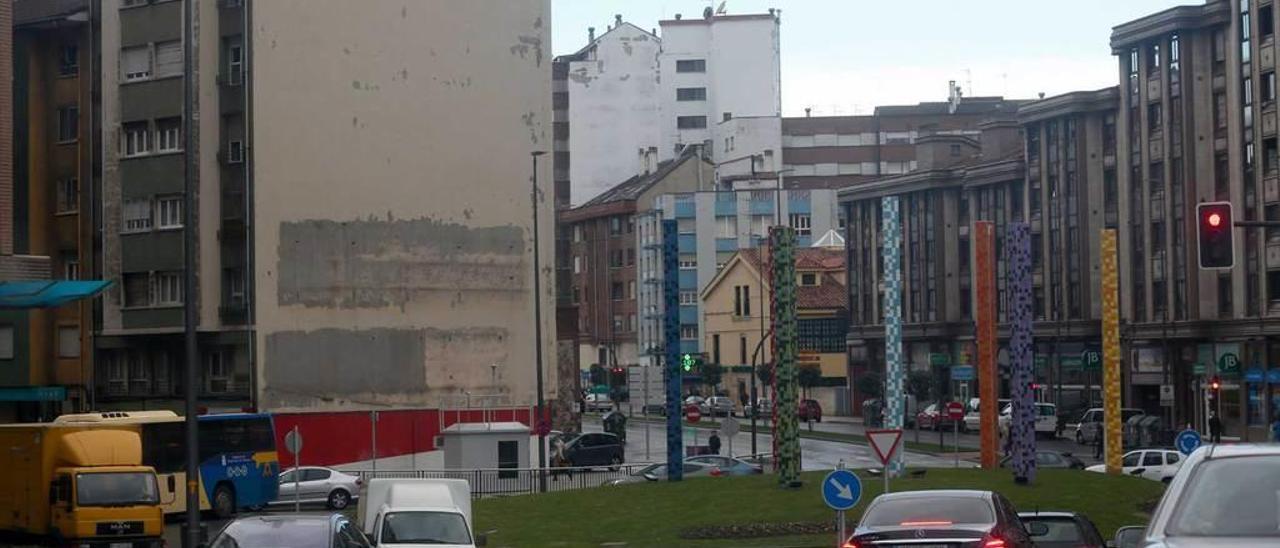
{"x":408,"y":513}
{"x":1046,"y":419}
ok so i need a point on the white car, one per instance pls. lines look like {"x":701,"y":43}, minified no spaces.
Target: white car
{"x":1153,"y":464}
{"x":599,"y":402}
{"x":1046,"y":418}
{"x":973,"y":418}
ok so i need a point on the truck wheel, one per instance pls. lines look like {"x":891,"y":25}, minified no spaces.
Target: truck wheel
{"x":339,"y":499}
{"x":224,"y":502}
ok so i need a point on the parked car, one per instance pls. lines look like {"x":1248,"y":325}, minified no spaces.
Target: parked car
{"x":952,"y":518}
{"x":973,"y":417}
{"x":1153,"y":464}
{"x":716,"y":406}
{"x":314,"y":484}
{"x":932,"y":417}
{"x":766,"y":408}
{"x":655,"y":409}
{"x":1062,"y":530}
{"x":598,"y":403}
{"x":658,"y":472}
{"x":728,"y":465}
{"x":594,"y":449}
{"x":1052,"y":459}
{"x":1091,"y":423}
{"x":1046,"y":419}
{"x":1224,"y":495}
{"x":810,"y":410}
{"x":291,"y":531}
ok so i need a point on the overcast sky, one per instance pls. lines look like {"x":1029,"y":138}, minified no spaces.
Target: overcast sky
{"x":848,"y":56}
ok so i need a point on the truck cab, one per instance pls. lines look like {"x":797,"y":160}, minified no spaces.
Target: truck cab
{"x":117,"y":504}
{"x":419,"y":513}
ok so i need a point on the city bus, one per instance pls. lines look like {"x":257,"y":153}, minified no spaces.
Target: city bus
{"x":239,"y":467}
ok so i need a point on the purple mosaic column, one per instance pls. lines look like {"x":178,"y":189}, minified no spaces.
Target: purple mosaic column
{"x":1022,"y":428}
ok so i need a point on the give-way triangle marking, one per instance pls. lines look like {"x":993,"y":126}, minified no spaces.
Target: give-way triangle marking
{"x":885,"y":443}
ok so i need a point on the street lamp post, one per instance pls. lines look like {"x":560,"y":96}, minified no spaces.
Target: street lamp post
{"x":537,"y":328}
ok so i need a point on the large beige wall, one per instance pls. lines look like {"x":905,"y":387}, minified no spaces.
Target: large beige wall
{"x":392,"y":213}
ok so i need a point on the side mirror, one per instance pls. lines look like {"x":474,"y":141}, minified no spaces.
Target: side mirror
{"x":1037,"y":529}
{"x":1128,"y":537}
{"x":482,"y":540}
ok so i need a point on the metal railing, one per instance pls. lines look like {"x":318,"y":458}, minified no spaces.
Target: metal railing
{"x":517,"y":481}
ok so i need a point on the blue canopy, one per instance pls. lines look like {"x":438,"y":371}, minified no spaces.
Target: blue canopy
{"x":47,"y":293}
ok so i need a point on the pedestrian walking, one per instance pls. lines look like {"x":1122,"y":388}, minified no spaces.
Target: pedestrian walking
{"x":714,"y":443}
{"x":1097,"y":444}
{"x":560,"y":463}
{"x":1215,"y":428}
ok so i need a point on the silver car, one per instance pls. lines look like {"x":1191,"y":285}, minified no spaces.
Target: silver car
{"x":332,"y":531}
{"x":658,"y":472}
{"x":716,"y":406}
{"x":315,"y":484}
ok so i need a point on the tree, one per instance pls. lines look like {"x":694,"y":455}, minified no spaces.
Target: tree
{"x":869,"y":385}
{"x":711,"y":374}
{"x":598,"y":375}
{"x":920,"y":385}
{"x":810,"y":374}
{"x":764,"y":372}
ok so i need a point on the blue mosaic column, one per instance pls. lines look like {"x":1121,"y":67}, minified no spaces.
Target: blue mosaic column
{"x":787,"y":431}
{"x":895,"y":374}
{"x":671,"y":337}
{"x":1022,"y":429}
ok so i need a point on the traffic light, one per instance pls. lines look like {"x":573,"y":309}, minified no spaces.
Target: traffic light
{"x":1215,"y":384}
{"x":1215,"y":225}
{"x":689,"y":362}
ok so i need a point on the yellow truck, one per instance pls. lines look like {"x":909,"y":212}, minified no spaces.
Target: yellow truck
{"x":77,"y":486}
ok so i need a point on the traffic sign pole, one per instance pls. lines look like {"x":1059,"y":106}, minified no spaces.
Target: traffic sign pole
{"x":841,"y":490}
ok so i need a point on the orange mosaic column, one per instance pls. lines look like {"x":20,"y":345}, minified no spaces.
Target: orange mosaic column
{"x":985,"y":315}
{"x":1114,"y":445}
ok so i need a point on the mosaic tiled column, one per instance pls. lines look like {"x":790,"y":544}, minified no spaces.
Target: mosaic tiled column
{"x":895,"y":370}
{"x":984,"y":305}
{"x":1022,"y":427}
{"x":1113,"y":442}
{"x":783,"y":242}
{"x":671,"y":338}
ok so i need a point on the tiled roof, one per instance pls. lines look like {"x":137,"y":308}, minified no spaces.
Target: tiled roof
{"x":634,"y":186}
{"x":807,"y":258}
{"x":828,"y":294}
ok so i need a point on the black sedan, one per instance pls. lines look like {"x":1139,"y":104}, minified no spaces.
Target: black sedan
{"x":951,"y":518}
{"x":332,"y":531}
{"x":1062,"y":530}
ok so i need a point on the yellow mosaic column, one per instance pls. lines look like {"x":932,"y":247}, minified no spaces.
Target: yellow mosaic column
{"x":1113,"y":444}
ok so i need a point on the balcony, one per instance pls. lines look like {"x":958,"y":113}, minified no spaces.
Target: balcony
{"x":235,"y":312}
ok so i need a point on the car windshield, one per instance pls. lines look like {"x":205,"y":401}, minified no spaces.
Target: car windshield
{"x":424,"y":528}
{"x":1231,"y":497}
{"x":941,"y":510}
{"x":1056,"y":530}
{"x":277,"y":533}
{"x":116,"y":489}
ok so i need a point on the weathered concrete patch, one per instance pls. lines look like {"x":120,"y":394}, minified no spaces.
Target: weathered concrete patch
{"x":376,"y":263}
{"x":381,"y":366}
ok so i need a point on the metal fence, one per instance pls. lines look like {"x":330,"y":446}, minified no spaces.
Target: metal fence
{"x":516,"y":481}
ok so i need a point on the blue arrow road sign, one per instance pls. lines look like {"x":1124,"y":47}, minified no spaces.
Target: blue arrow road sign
{"x":1187,"y":441}
{"x":841,"y":489}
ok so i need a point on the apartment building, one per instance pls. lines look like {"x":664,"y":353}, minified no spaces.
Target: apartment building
{"x":354,"y":248}
{"x":604,"y":284}
{"x":712,"y":227}
{"x":838,"y":151}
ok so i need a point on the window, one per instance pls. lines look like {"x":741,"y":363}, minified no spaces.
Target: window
{"x":801,"y":222}
{"x":132,"y":3}
{"x":235,"y":152}
{"x":68,"y":195}
{"x":1270,"y":157}
{"x":1153,"y":117}
{"x":808,"y":279}
{"x":688,"y":263}
{"x":1219,"y":46}
{"x":69,"y":60}
{"x":6,"y":342}
{"x":1152,"y":458}
{"x":166,"y":288}
{"x":616,"y":291}
{"x":169,"y":59}
{"x":217,"y":375}
{"x":631,"y":289}
{"x":68,"y":124}
{"x":726,"y":226}
{"x":742,"y":350}
{"x":137,"y":215}
{"x":135,"y":139}
{"x":1266,"y":22}
{"x":70,"y":267}
{"x":1175,"y":53}
{"x":68,"y":341}
{"x":691,"y":122}
{"x":715,"y":348}
{"x":577,"y":264}
{"x":169,"y":212}
{"x":235,"y":64}
{"x":169,"y":135}
{"x":691,"y":65}
{"x":691,"y":94}
{"x":235,"y":285}
{"x":1268,"y":87}
{"x":688,"y":297}
{"x":136,"y":289}
{"x":689,"y":332}
{"x":135,"y":64}
{"x":1153,"y":57}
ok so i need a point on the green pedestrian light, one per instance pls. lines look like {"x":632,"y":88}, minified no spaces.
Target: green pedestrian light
{"x":686,"y":362}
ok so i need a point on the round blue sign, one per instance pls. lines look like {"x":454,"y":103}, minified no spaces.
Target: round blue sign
{"x":841,"y":489}
{"x":1187,"y":441}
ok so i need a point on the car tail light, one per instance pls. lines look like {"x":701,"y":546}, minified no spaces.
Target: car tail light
{"x":852,"y":543}
{"x":993,"y":542}
{"x":925,"y":523}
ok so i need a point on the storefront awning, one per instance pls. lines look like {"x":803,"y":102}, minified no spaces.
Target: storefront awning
{"x":47,"y":293}
{"x":33,"y":393}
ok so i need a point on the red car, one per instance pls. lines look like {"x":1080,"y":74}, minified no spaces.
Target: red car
{"x":810,"y":411}
{"x":931,"y":418}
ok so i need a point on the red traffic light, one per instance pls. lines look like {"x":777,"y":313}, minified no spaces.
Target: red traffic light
{"x":1215,"y":384}
{"x":1214,"y":226}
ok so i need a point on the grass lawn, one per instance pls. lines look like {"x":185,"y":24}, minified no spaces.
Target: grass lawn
{"x":655,"y":514}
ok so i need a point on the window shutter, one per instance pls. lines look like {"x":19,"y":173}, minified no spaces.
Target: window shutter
{"x":169,"y":58}
{"x":135,"y":63}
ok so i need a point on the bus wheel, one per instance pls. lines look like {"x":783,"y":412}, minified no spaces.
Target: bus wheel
{"x":224,"y":502}
{"x":339,"y":499}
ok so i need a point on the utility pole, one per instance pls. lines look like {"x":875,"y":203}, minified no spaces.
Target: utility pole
{"x":194,"y":535}
{"x":537,"y":329}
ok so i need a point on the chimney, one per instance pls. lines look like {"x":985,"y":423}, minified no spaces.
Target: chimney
{"x":677,"y":17}
{"x":617,"y":20}
{"x":591,"y":34}
{"x":807,"y":111}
